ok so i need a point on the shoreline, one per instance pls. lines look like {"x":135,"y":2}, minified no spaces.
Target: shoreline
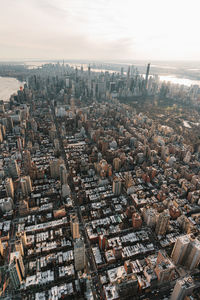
{"x":9,"y":86}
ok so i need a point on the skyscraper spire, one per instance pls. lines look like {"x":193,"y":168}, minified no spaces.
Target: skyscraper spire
{"x":147,"y":75}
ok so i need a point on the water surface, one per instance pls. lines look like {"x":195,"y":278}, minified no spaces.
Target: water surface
{"x":8,"y":86}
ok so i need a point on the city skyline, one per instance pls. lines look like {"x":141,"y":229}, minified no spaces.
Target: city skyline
{"x":99,"y":30}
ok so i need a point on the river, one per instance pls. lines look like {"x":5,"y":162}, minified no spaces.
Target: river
{"x":178,"y":80}
{"x":8,"y":86}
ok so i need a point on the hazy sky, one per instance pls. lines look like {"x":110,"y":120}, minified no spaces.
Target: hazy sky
{"x":100,"y":29}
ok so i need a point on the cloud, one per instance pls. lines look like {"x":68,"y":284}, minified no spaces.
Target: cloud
{"x":51,"y":8}
{"x":99,"y":29}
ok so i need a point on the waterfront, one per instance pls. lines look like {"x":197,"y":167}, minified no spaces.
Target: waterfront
{"x":178,"y":80}
{"x":8,"y":86}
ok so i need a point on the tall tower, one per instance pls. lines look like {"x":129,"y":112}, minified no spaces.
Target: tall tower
{"x":27,"y":161}
{"x":128,"y":72}
{"x":55,"y":168}
{"x":79,"y":254}
{"x":14,"y":170}
{"x":183,"y":288}
{"x":116,"y":163}
{"x":9,"y":188}
{"x":26,"y":185}
{"x":63,"y":174}
{"x":186,"y":252}
{"x":89,"y":71}
{"x":162,"y":224}
{"x":147,"y":76}
{"x":16,"y":269}
{"x":19,"y":246}
{"x":136,"y":220}
{"x":180,"y":249}
{"x":165,"y":269}
{"x":74,"y":225}
{"x":149,"y":215}
{"x":117,"y":186}
{"x":193,"y":255}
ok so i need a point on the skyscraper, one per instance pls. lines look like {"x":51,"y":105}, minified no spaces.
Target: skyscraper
{"x":180,"y":249}
{"x":63,"y":174}
{"x":128,"y":72}
{"x":149,"y":215}
{"x":186,"y":252}
{"x":165,"y":269}
{"x":193,"y":254}
{"x":136,"y":220}
{"x":74,"y":225}
{"x":116,"y":163}
{"x":147,"y":76}
{"x":9,"y":187}
{"x":117,"y":186}
{"x":55,"y":168}
{"x":26,"y":185}
{"x":79,"y":254}
{"x":16,"y":269}
{"x":19,"y":246}
{"x":183,"y":288}
{"x":27,"y":161}
{"x":89,"y":71}
{"x":13,"y":169}
{"x":162,"y":224}
{"x":1,"y":135}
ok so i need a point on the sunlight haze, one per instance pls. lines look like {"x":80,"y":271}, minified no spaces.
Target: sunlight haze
{"x":100,"y":29}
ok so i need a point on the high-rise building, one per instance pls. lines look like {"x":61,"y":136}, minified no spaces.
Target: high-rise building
{"x":116,"y":163}
{"x":65,"y":190}
{"x":193,"y":254}
{"x":2,"y":108}
{"x":102,"y":242}
{"x":3,"y":130}
{"x":52,"y":131}
{"x":183,"y":288}
{"x":136,"y":220}
{"x":63,"y":174}
{"x":9,"y":124}
{"x":117,"y":186}
{"x":122,"y":71}
{"x":9,"y":187}
{"x":162,"y":223}
{"x":89,"y":71}
{"x":147,"y":76}
{"x":186,"y":252}
{"x":180,"y":248}
{"x":79,"y":254}
{"x":128,"y":286}
{"x":55,"y":168}
{"x":6,"y":204}
{"x":74,"y":225}
{"x":3,"y":248}
{"x":26,"y":185}
{"x":13,"y":169}
{"x":56,"y":144}
{"x":27,"y":161}
{"x":16,"y":269}
{"x":165,"y":269}
{"x":128,"y":72}
{"x":19,"y":246}
{"x":149,"y":215}
{"x":1,"y":135}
